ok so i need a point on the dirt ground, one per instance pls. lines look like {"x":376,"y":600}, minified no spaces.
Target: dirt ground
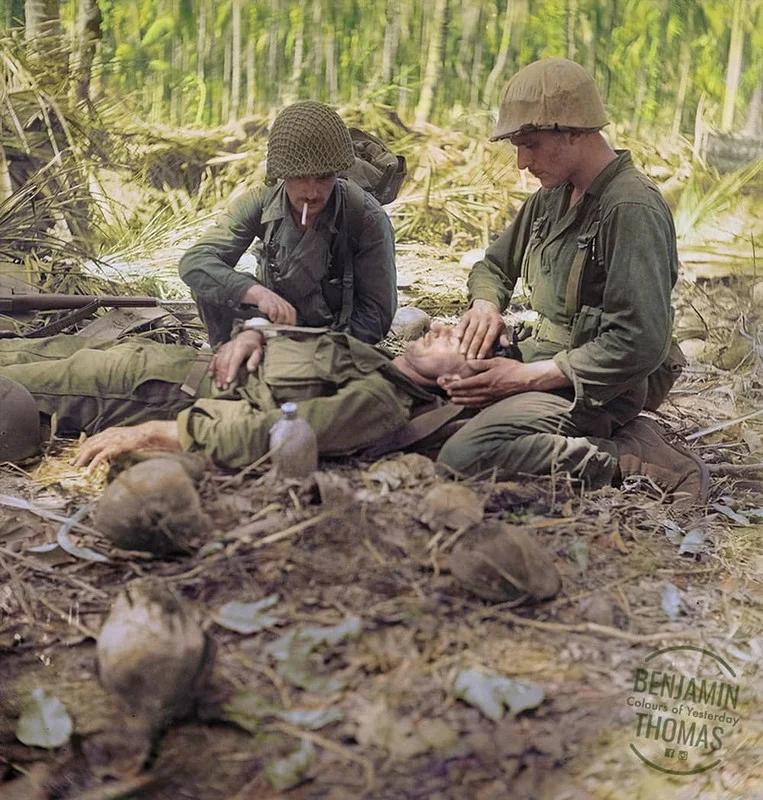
{"x":399,"y":726}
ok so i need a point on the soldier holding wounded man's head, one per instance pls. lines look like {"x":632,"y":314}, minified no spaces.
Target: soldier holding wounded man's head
{"x":595,"y":248}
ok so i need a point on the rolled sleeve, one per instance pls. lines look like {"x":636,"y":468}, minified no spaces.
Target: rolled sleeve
{"x":208,"y":266}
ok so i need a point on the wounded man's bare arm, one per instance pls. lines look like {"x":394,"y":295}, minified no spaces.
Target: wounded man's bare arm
{"x":113,"y":442}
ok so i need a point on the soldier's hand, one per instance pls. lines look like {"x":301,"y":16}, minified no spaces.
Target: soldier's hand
{"x":495,"y":379}
{"x":226,"y":362}
{"x":275,"y":308}
{"x":480,"y":327}
{"x":113,"y":442}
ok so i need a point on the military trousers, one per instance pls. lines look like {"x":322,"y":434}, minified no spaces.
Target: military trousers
{"x":88,"y":385}
{"x":535,"y":433}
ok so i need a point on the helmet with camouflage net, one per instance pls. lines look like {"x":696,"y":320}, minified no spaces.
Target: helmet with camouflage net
{"x":19,"y":422}
{"x":550,"y":94}
{"x":308,"y":138}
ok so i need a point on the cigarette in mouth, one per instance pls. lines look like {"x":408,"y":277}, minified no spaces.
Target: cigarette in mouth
{"x":304,"y":214}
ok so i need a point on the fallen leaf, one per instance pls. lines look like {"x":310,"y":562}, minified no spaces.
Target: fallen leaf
{"x":44,"y":722}
{"x":673,"y":531}
{"x":730,"y":513}
{"x":247,"y":617}
{"x":313,"y":719}
{"x":406,"y":470}
{"x":490,"y":693}
{"x":62,"y":537}
{"x":579,"y":553}
{"x":293,"y":649}
{"x":290,"y":771}
{"x":450,"y":505}
{"x":692,"y":543}
{"x":671,"y":602}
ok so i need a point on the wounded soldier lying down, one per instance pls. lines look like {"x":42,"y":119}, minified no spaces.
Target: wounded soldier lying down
{"x":134,"y":395}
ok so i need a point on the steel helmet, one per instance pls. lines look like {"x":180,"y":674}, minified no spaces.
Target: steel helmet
{"x":550,"y":94}
{"x":19,"y":422}
{"x":308,"y":138}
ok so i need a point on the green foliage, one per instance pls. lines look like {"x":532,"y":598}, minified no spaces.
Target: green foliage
{"x":338,"y":51}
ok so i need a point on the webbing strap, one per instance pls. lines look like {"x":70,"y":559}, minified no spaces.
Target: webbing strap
{"x":354,"y":202}
{"x":414,"y":430}
{"x":575,"y":280}
{"x":197,"y":372}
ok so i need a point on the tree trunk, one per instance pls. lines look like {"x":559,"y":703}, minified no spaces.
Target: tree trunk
{"x":42,"y":19}
{"x":734,"y":66}
{"x":572,"y":22}
{"x":684,"y":60}
{"x":6,"y":186}
{"x":43,"y":32}
{"x":391,"y":41}
{"x":476,"y":80}
{"x":225,"y":98}
{"x":235,"y":79}
{"x":331,"y":71}
{"x":503,"y":54}
{"x":317,"y":79}
{"x":251,"y":75}
{"x":201,"y":55}
{"x":272,"y":82}
{"x":296,"y":67}
{"x":434,"y":65}
{"x":640,"y":100}
{"x":753,"y":127}
{"x":471,"y":17}
{"x":88,"y":33}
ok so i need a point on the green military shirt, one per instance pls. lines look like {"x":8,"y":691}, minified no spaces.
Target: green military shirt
{"x":349,"y":392}
{"x":620,"y":331}
{"x":304,"y":267}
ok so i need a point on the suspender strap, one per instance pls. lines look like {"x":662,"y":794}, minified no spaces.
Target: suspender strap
{"x":415,"y":430}
{"x":586,"y":242}
{"x":197,"y":372}
{"x":52,"y":328}
{"x":354,"y":201}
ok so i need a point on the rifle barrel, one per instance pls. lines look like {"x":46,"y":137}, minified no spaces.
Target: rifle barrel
{"x":18,"y":303}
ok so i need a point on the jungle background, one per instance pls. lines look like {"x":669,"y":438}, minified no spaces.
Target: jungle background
{"x":124,"y":127}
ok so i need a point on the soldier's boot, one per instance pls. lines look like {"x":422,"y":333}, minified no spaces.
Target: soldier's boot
{"x":644,"y":450}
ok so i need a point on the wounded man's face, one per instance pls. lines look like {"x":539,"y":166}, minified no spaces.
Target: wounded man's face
{"x":436,"y":353}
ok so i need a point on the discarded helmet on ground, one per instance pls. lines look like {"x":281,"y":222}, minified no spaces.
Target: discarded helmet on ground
{"x":19,"y":422}
{"x":550,"y":94}
{"x":308,"y":138}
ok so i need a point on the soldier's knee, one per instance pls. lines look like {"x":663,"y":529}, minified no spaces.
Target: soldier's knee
{"x":456,"y":456}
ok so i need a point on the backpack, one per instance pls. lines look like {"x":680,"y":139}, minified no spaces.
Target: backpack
{"x":377,"y":170}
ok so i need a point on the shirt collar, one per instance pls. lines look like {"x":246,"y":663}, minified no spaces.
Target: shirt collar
{"x":600,"y":182}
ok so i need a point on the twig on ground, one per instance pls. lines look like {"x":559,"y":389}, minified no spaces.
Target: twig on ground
{"x":719,"y":426}
{"x":238,"y":478}
{"x":563,"y":601}
{"x":587,"y":627}
{"x":54,"y":574}
{"x":67,"y":618}
{"x":19,"y":591}
{"x":328,"y":744}
{"x":735,"y":469}
{"x":295,"y":529}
